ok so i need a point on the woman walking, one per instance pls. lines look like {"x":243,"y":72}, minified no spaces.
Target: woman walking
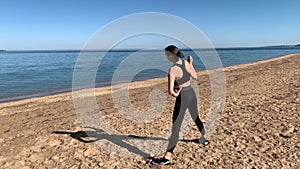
{"x":179,"y":86}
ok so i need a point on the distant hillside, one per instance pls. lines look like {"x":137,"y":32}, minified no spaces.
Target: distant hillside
{"x":283,"y":46}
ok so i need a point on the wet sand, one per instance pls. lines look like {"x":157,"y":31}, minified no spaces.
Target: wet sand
{"x":258,"y":129}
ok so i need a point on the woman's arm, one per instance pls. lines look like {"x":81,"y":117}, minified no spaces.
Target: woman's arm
{"x":191,"y":68}
{"x":171,"y":80}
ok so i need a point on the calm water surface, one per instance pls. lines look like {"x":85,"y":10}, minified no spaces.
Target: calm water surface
{"x":34,"y":73}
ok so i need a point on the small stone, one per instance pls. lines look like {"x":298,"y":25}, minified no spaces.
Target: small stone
{"x":33,"y":158}
{"x":35,"y":149}
{"x":21,"y":163}
{"x":257,"y":138}
{"x":291,"y":129}
{"x":55,"y":158}
{"x":54,"y":143}
{"x":101,"y":164}
{"x":90,"y":152}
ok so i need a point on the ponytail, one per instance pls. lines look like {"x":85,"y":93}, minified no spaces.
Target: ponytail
{"x":180,"y":54}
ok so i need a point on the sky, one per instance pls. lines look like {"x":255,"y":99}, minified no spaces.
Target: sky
{"x":69,"y":24}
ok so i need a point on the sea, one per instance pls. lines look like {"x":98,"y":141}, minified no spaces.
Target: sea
{"x":28,"y":74}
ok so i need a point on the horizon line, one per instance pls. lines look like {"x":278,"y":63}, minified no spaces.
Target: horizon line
{"x":149,"y":49}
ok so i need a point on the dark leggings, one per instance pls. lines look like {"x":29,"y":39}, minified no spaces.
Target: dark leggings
{"x":186,"y":100}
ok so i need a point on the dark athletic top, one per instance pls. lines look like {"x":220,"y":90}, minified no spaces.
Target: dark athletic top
{"x":186,"y":76}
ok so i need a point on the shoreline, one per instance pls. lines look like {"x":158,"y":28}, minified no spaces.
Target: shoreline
{"x":136,"y":84}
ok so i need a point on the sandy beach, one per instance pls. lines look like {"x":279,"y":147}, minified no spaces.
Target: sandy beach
{"x":258,"y":129}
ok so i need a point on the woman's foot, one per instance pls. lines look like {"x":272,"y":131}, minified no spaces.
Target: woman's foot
{"x":162,"y":160}
{"x":165,"y":160}
{"x":203,"y":141}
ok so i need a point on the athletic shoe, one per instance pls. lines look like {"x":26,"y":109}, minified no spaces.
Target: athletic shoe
{"x":203,"y":141}
{"x":163,"y":161}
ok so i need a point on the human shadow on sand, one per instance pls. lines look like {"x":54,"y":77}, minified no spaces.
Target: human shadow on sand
{"x":98,"y":134}
{"x":190,"y":141}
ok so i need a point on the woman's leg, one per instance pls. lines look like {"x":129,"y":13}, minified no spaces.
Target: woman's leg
{"x":178,"y":115}
{"x":193,"y":109}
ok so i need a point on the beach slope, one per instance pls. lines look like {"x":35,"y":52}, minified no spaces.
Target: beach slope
{"x":258,"y":129}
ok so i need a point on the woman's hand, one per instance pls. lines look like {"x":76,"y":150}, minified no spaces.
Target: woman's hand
{"x":190,"y":59}
{"x":176,"y":92}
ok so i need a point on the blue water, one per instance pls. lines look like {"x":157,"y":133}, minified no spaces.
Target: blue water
{"x":26,"y":74}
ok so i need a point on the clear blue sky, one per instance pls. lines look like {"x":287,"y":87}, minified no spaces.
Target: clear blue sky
{"x":68,"y":24}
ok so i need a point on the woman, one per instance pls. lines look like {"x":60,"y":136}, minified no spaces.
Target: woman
{"x":179,"y":86}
